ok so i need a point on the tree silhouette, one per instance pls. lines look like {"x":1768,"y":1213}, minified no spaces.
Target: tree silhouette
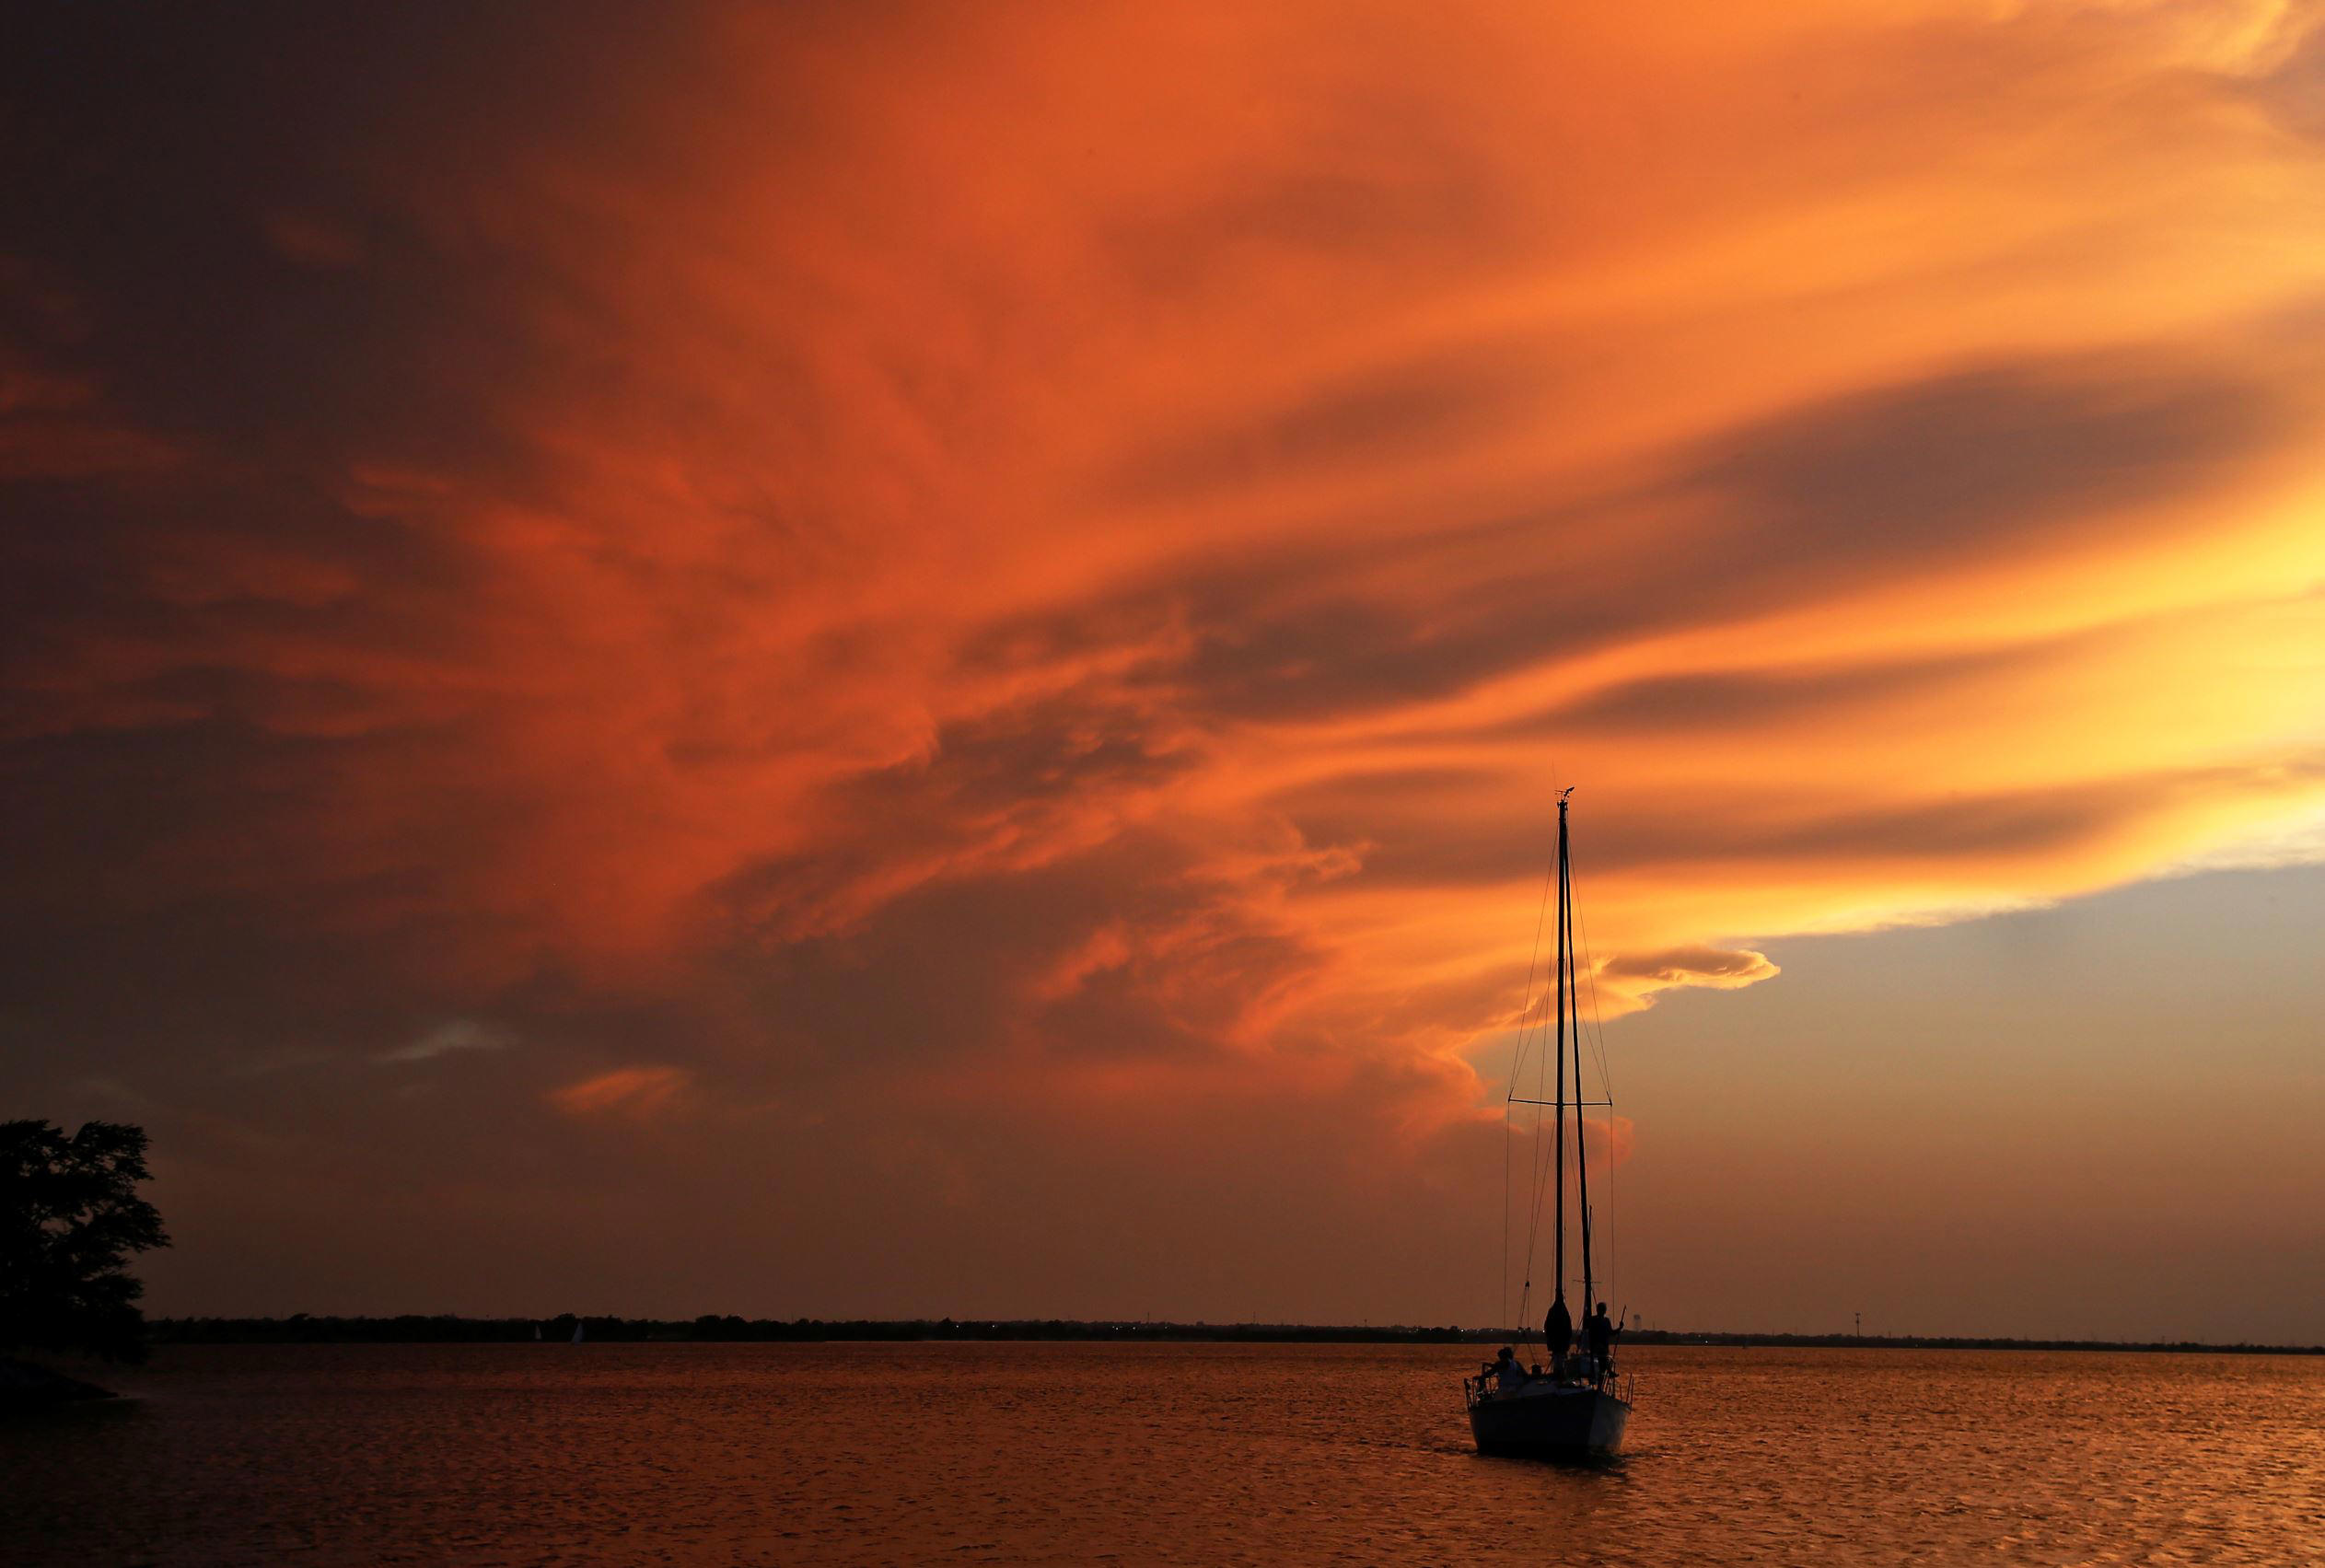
{"x":69,"y":1218}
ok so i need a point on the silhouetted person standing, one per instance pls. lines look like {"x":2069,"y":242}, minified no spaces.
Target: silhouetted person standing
{"x":1558,"y":1329}
{"x":1602,"y":1332}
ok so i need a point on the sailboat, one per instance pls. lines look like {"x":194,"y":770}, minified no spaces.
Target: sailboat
{"x":1579,"y":1407}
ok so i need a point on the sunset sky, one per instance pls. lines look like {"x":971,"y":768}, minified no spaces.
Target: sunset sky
{"x":900,"y":660}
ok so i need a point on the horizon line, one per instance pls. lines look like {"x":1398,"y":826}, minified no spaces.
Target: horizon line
{"x":717,"y":1328}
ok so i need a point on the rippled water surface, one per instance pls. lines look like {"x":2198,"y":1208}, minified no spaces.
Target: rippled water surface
{"x":1068,"y":1453}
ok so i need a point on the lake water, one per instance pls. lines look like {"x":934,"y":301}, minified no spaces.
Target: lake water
{"x":1070,"y":1453}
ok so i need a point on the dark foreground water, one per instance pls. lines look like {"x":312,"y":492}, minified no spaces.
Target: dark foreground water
{"x":765,"y":1454}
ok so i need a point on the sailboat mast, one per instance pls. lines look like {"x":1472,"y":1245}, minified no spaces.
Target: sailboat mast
{"x":1572,"y":989}
{"x":1582,"y":1407}
{"x":1558,"y":1110}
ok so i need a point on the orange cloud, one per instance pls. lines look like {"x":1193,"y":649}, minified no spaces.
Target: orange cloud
{"x":1063,"y":557}
{"x":1718,"y":968}
{"x":1580,"y":466}
{"x":632,"y":1091}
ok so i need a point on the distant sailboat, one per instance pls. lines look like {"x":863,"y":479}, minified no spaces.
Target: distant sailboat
{"x":576,"y":1330}
{"x":1580,"y":1408}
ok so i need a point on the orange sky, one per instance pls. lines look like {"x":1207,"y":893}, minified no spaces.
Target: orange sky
{"x":914,"y":637}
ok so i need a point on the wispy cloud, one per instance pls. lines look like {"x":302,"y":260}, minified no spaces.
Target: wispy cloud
{"x":633,"y":1091}
{"x":452,"y":1035}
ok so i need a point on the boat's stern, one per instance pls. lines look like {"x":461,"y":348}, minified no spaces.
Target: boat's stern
{"x":1567,"y":1421}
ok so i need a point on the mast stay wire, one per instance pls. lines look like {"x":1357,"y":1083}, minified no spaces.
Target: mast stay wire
{"x":1543,"y":1154}
{"x":1605,"y":1078}
{"x":1509,"y":1098}
{"x":1561,"y":995}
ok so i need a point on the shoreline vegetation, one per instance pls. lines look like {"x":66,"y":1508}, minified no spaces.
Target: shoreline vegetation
{"x":711,"y":1328}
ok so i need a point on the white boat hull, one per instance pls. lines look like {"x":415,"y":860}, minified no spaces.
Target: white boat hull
{"x":1567,"y":1423}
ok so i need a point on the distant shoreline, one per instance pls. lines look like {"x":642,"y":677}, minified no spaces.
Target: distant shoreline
{"x":303,"y":1329}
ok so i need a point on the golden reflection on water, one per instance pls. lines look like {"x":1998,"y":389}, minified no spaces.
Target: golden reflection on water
{"x":1068,"y":1453}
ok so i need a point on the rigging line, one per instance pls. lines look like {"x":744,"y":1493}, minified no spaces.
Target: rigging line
{"x":1526,"y":1013}
{"x":1574,"y":1002}
{"x":1543,"y":1169}
{"x":1562,"y":966}
{"x":1606,"y":1078}
{"x":1535,"y":1170}
{"x":1547,"y":1152}
{"x":1533,"y":962}
{"x":1538,"y":1174}
{"x":1518,"y":1065}
{"x":1585,"y":1218}
{"x":1598,"y":1025}
{"x":1534,"y":1161}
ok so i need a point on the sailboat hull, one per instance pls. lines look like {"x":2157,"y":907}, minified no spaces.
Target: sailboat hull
{"x":1572,"y":1423}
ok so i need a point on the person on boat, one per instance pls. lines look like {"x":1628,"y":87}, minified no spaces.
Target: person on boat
{"x":1558,"y":1329}
{"x":1509,"y":1374}
{"x":1602,"y":1332}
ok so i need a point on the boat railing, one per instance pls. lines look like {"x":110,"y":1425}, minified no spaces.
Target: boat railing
{"x":1622,"y":1385}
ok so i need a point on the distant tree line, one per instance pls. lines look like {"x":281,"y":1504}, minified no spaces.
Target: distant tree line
{"x":715,"y":1329}
{"x":1952,"y":1341}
